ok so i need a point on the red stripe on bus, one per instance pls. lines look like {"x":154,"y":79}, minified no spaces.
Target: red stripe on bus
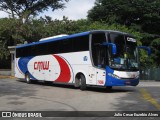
{"x":65,"y":74}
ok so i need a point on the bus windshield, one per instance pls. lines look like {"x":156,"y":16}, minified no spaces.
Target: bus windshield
{"x":126,"y":57}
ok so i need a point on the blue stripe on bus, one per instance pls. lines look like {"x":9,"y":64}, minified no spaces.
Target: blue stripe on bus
{"x":22,"y":64}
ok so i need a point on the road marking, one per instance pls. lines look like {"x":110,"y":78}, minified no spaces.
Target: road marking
{"x":147,"y":96}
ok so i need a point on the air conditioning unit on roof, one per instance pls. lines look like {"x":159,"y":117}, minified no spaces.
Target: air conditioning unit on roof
{"x":57,"y":36}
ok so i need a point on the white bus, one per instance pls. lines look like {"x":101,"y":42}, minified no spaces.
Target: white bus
{"x":100,"y":58}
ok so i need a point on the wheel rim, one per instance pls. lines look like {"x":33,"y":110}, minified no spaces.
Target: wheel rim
{"x":80,"y":81}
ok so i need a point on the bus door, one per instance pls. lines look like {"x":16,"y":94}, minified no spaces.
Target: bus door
{"x":101,"y":60}
{"x":97,"y":74}
{"x":93,"y":71}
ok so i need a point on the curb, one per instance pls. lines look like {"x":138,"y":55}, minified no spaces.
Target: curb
{"x":3,"y":77}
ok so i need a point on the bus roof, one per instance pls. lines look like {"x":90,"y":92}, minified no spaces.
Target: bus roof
{"x":69,"y":36}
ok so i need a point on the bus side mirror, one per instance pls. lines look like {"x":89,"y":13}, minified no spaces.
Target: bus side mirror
{"x":114,"y":49}
{"x":145,"y":48}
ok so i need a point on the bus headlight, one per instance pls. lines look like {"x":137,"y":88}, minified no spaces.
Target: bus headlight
{"x":113,"y":75}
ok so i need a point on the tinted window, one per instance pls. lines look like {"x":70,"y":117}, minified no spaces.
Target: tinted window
{"x":66,"y":46}
{"x":81,"y":43}
{"x":62,"y":46}
{"x":22,"y":52}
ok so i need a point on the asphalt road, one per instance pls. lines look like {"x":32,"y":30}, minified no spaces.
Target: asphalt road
{"x":16,"y":95}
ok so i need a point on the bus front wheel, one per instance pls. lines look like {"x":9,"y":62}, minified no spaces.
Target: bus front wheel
{"x":27,"y":78}
{"x":80,"y":81}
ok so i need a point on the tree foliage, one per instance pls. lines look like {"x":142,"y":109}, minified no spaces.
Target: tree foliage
{"x":27,"y":8}
{"x":155,"y":45}
{"x":142,"y":16}
{"x":145,"y":13}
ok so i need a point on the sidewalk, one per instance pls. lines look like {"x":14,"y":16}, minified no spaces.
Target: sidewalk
{"x":5,"y":72}
{"x":3,"y":77}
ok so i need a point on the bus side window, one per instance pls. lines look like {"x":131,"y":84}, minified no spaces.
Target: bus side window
{"x":22,"y":52}
{"x":81,"y":43}
{"x":39,"y":49}
{"x":66,"y":46}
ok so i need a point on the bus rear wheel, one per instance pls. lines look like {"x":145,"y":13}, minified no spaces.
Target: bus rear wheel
{"x":27,"y":78}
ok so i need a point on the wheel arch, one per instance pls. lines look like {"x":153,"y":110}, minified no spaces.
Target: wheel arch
{"x":80,"y":81}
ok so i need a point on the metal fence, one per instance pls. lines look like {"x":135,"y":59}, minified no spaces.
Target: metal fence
{"x":150,"y":74}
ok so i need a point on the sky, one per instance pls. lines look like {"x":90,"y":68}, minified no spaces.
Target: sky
{"x":75,"y":9}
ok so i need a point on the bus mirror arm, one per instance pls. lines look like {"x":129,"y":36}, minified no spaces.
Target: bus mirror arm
{"x":145,"y":48}
{"x":114,"y":48}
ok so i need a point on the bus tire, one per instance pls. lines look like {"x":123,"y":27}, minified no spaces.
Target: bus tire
{"x":27,"y":78}
{"x":77,"y":82}
{"x":82,"y":82}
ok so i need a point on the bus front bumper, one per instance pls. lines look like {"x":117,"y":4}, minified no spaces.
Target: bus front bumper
{"x":121,"y":82}
{"x":113,"y":80}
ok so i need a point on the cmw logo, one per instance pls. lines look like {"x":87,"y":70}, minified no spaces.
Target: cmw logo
{"x":41,"y":65}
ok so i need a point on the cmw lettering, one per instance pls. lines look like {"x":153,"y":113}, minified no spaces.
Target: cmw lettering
{"x":42,"y":65}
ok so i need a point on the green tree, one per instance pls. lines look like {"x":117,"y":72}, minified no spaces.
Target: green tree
{"x":138,"y":15}
{"x":145,"y":13}
{"x":27,"y":8}
{"x":155,"y":45}
{"x":6,"y":30}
